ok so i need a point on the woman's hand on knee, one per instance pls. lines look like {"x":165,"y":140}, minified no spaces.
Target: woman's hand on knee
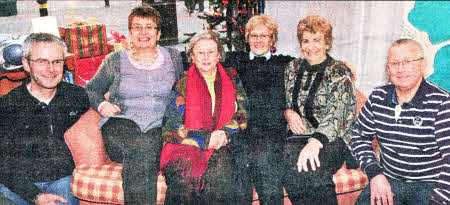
{"x":309,"y":153}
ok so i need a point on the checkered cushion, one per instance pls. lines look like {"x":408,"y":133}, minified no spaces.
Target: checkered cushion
{"x":103,"y":183}
{"x":349,"y":180}
{"x":98,"y":183}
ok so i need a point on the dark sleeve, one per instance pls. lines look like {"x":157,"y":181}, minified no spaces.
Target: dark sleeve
{"x":231,"y":60}
{"x":177,"y":61}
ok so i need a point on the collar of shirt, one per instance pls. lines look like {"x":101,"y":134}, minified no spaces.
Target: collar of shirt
{"x":266,"y":55}
{"x":418,"y":97}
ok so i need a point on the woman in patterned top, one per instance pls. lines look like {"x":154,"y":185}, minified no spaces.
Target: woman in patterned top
{"x":320,"y":114}
{"x":204,"y":114}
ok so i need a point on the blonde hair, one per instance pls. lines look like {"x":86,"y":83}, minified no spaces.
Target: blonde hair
{"x":262,"y":19}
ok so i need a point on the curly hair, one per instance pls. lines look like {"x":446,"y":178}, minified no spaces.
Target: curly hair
{"x":314,"y":24}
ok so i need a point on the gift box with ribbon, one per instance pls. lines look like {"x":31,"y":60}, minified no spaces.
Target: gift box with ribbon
{"x":85,"y":38}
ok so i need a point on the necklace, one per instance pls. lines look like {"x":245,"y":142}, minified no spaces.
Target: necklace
{"x":145,"y":60}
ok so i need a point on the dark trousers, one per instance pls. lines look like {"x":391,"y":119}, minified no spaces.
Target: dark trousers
{"x":218,"y":184}
{"x":260,"y":165}
{"x":405,"y":193}
{"x":312,"y":187}
{"x":266,"y":172}
{"x":139,"y":154}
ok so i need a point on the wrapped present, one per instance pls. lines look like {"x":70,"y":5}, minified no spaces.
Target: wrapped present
{"x":87,"y":67}
{"x":85,"y":40}
{"x":117,"y":41}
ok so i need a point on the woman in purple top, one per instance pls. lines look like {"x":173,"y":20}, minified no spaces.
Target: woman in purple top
{"x":139,"y":81}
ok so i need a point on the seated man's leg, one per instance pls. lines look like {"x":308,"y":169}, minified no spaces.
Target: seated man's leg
{"x":16,"y":199}
{"x":397,"y":187}
{"x":5,"y":201}
{"x":60,"y":187}
{"x":419,"y":192}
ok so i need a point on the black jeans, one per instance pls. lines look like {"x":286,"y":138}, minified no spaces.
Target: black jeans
{"x":312,"y":187}
{"x":405,"y":193}
{"x":263,"y":157}
{"x":139,"y":154}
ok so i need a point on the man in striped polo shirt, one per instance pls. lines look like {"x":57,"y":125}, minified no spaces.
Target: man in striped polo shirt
{"x":411,"y":120}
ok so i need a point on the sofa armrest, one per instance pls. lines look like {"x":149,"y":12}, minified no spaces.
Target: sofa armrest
{"x":85,"y":140}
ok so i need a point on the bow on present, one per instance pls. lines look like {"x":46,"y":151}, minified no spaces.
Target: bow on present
{"x":115,"y":37}
{"x":119,"y":41}
{"x":75,"y":21}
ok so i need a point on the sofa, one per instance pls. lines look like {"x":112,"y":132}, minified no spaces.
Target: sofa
{"x":97,"y":179}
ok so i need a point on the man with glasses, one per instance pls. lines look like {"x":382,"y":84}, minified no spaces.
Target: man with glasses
{"x":36,"y":163}
{"x":411,"y":120}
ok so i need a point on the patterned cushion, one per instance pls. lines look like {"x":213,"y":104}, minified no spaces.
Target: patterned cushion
{"x":98,"y":183}
{"x":103,"y":183}
{"x":349,"y":180}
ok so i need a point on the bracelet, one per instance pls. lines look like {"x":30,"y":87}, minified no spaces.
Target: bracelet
{"x":35,"y":198}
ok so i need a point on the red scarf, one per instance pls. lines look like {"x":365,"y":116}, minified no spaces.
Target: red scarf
{"x":198,"y":101}
{"x":198,"y":117}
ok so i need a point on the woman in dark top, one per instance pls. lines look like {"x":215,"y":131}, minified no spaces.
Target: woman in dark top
{"x":262,"y":73}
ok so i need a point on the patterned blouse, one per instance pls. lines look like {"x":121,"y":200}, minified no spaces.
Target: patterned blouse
{"x":174,"y":130}
{"x":333,"y":104}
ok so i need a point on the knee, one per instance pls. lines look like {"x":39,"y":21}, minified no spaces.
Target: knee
{"x":61,"y":185}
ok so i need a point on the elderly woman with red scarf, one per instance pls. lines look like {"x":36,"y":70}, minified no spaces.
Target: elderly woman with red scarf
{"x":205,"y":112}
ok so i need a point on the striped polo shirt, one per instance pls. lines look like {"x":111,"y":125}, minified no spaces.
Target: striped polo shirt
{"x":414,"y":138}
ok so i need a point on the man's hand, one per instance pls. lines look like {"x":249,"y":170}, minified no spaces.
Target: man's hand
{"x":309,"y":153}
{"x":109,"y":109}
{"x":295,"y":122}
{"x":49,"y":199}
{"x":218,"y":139}
{"x":380,"y":191}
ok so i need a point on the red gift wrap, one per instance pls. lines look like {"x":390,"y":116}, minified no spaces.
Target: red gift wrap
{"x":87,"y":67}
{"x":86,"y":40}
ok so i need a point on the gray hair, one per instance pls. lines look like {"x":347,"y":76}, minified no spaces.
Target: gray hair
{"x":40,"y":37}
{"x":209,"y":35}
{"x":403,"y":41}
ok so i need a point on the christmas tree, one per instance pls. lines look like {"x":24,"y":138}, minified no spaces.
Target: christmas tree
{"x":228,"y":18}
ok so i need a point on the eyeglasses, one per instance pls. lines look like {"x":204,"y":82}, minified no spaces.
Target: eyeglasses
{"x":260,"y":36}
{"x":206,"y":53}
{"x":403,"y":63}
{"x":45,"y":62}
{"x":141,"y":28}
